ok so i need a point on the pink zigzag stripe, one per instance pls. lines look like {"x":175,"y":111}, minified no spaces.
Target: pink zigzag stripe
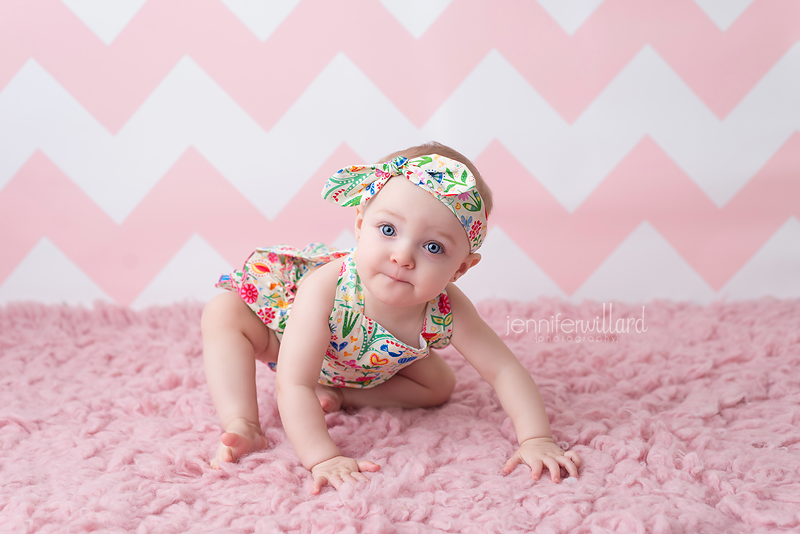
{"x":193,"y":197}
{"x":113,"y":81}
{"x":646,"y":185}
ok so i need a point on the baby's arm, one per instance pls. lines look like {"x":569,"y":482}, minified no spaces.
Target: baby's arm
{"x":515,"y":388}
{"x":302,"y":349}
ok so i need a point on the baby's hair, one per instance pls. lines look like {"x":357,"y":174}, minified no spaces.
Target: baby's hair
{"x":437,"y":148}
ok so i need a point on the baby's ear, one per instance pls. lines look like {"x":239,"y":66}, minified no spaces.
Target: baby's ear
{"x":359,"y":221}
{"x":469,"y":262}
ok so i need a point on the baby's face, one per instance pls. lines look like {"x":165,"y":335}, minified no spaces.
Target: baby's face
{"x":409,"y":245}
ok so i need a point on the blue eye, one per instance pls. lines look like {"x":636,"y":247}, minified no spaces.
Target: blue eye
{"x":434,"y":248}
{"x":387,"y":230}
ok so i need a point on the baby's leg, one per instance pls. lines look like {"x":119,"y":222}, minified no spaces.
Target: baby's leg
{"x":233,"y":339}
{"x":423,"y":384}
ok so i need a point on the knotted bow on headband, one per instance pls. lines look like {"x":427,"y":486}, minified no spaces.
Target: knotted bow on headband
{"x":448,"y":180}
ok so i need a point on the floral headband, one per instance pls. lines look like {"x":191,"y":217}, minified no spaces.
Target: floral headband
{"x":448,"y":180}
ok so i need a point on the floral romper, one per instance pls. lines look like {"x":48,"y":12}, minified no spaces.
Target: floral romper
{"x":361,"y":353}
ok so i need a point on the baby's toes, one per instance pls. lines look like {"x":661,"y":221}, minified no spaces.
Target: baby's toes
{"x":224,"y":455}
{"x":236,"y":445}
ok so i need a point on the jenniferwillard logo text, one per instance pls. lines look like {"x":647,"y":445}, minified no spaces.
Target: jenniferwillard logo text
{"x":577,"y":330}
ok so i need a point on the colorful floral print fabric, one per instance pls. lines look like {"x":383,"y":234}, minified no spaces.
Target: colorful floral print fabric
{"x":269,"y":278}
{"x":361,"y":353}
{"x":448,"y":180}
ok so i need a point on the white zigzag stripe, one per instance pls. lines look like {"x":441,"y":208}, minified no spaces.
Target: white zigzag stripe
{"x":342,"y":105}
{"x":33,"y":279}
{"x":772,"y":271}
{"x":646,"y":266}
{"x":189,"y":109}
{"x":651,"y":268}
{"x":261,"y":18}
{"x":723,"y":12}
{"x":189,"y":275}
{"x":570,"y":14}
{"x":416,"y":15}
{"x":106,"y":19}
{"x":643,"y":267}
{"x":646,"y":98}
{"x":522,"y":278}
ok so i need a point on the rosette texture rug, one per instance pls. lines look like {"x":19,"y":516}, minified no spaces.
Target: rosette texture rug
{"x":688,"y":426}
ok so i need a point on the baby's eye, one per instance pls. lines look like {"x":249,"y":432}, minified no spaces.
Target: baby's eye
{"x":387,"y":230}
{"x":434,"y":248}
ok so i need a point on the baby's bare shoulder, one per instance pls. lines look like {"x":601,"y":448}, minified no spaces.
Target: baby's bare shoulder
{"x":465,"y":316}
{"x":329,"y":271}
{"x":322,"y":282}
{"x":457,"y":298}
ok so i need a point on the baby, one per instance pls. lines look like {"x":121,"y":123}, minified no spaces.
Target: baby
{"x":365,"y":322}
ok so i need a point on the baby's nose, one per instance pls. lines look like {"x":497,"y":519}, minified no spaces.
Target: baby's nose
{"x":403,"y":255}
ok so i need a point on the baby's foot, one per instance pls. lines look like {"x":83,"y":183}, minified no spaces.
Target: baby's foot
{"x":329,"y":398}
{"x":240,"y":437}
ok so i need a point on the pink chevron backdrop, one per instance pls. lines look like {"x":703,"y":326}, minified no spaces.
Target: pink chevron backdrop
{"x":638,"y":149}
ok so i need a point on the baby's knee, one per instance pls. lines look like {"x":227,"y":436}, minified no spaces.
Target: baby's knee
{"x":448,"y":384}
{"x":442,"y":389}
{"x":220,"y":312}
{"x":227,"y":317}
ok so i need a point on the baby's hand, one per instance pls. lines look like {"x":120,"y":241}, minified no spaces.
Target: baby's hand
{"x":543,"y":452}
{"x":339,"y":470}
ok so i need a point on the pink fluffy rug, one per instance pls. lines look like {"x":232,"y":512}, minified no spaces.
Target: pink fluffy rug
{"x":692,"y":426}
